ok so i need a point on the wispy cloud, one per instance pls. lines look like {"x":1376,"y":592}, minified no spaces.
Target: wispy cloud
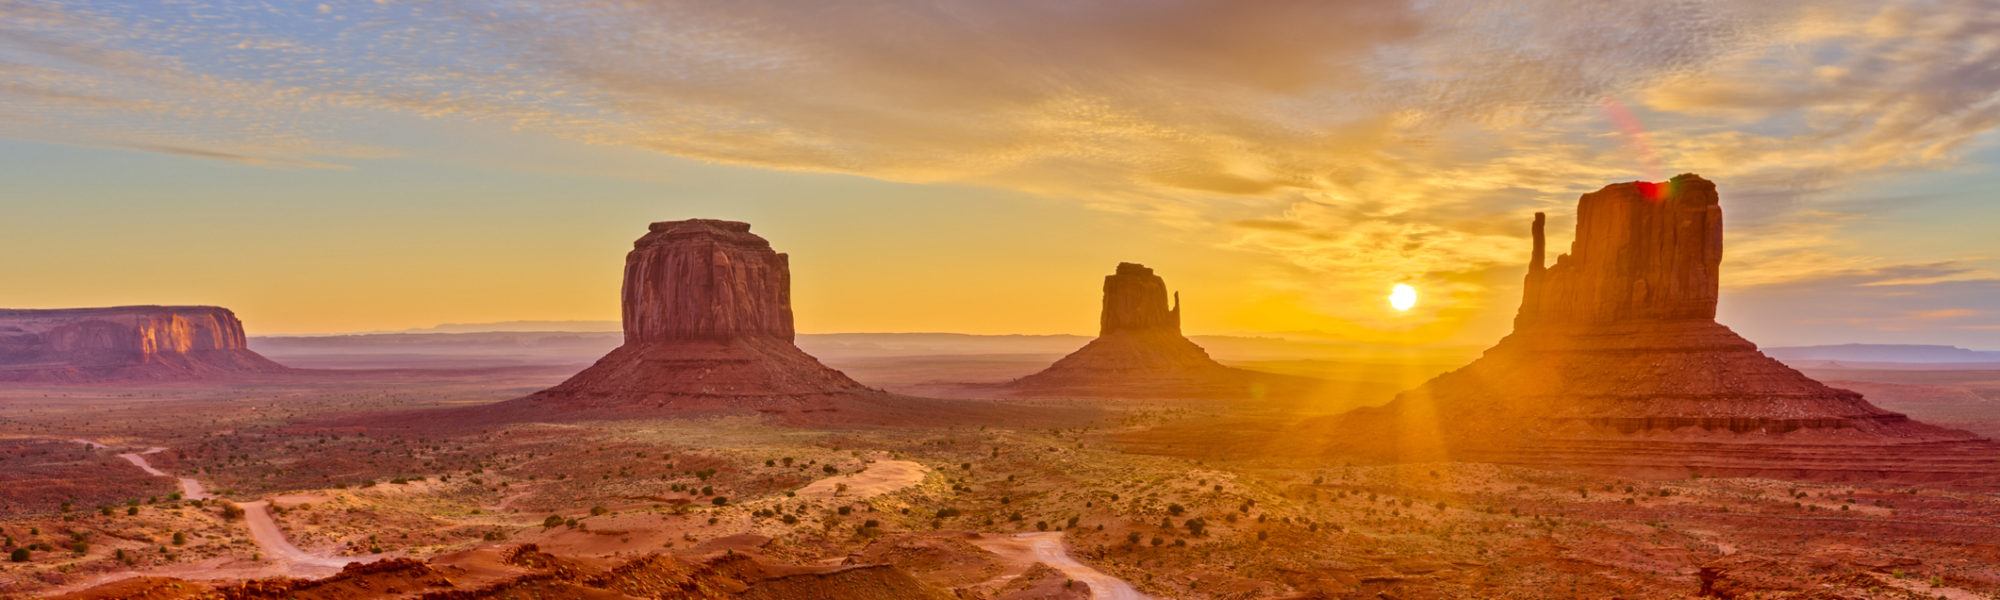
{"x":1347,"y":144}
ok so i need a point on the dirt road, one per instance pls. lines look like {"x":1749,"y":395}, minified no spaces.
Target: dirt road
{"x":257,"y":515}
{"x":272,"y":540}
{"x":190,"y":489}
{"x":1026,"y":549}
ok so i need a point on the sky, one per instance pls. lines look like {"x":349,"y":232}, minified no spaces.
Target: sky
{"x":978,"y":166}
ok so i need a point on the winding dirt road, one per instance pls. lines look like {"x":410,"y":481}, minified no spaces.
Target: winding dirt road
{"x":190,"y":489}
{"x":1047,"y":548}
{"x":272,"y":539}
{"x":257,"y":515}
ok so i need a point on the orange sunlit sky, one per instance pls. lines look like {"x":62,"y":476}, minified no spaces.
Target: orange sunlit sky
{"x":977,"y":166}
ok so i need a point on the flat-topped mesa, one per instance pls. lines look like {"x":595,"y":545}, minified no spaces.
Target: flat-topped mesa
{"x":1643,"y":252}
{"x":705,"y":279}
{"x":708,"y":325}
{"x":124,"y":343}
{"x":1136,"y":300}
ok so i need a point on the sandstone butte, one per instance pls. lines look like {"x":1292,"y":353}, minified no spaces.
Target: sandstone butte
{"x":1616,"y":362}
{"x":708,"y":329}
{"x":125,"y":343}
{"x":1139,"y":352}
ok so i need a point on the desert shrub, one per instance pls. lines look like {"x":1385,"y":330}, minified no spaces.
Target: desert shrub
{"x":552,"y":521}
{"x":18,"y":555}
{"x":1175,"y":509}
{"x":598,"y":510}
{"x":720,"y":501}
{"x":231,"y":511}
{"x":947,"y":512}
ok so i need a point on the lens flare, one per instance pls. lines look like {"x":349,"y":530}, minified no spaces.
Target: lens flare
{"x":1402,"y":297}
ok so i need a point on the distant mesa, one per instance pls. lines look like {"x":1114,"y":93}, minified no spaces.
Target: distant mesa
{"x":1616,"y":361}
{"x":125,"y":343}
{"x":1140,"y":352}
{"x":708,"y":328}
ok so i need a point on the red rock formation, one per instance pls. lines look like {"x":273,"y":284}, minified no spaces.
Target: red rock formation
{"x":1135,"y":300}
{"x":1643,"y":251}
{"x":1140,"y":352}
{"x":125,"y":343}
{"x":703,"y":279}
{"x":708,"y":322}
{"x":1616,"y":360}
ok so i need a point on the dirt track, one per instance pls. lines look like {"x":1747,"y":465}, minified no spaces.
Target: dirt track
{"x":190,"y":489}
{"x":1047,"y":548}
{"x":257,"y":516}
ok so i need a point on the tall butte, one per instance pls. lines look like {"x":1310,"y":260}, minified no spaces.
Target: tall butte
{"x":1616,"y":361}
{"x":1140,"y":352}
{"x":125,"y":343}
{"x":708,"y":324}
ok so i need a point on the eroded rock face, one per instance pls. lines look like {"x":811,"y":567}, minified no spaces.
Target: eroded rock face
{"x":125,"y":343}
{"x":1136,"y":300}
{"x":1140,"y":352}
{"x":1616,"y":359}
{"x":703,"y":279}
{"x":1643,"y":251}
{"x":140,"y":343}
{"x":708,"y":323}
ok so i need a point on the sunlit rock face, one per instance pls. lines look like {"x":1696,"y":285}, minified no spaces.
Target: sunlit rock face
{"x":137,"y":343}
{"x":1643,"y":252}
{"x":703,"y":279}
{"x":1140,"y":352}
{"x":1616,"y":359}
{"x":708,"y":321}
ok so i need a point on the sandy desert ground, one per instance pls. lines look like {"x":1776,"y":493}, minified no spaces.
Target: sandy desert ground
{"x":302,"y":485}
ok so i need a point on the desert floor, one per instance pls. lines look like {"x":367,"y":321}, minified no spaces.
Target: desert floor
{"x":303,"y":482}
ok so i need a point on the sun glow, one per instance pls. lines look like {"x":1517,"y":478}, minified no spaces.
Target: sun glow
{"x":1402,"y":297}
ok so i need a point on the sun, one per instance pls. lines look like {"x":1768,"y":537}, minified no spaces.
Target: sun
{"x":1402,"y":297}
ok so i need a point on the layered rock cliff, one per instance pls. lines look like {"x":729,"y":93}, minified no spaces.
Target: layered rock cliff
{"x":1643,"y":251}
{"x":1140,"y":352}
{"x":708,"y":323}
{"x":137,"y":343}
{"x":1616,"y":359}
{"x":703,"y":279}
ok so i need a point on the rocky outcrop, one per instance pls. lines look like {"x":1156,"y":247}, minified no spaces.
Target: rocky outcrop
{"x":1616,"y":360}
{"x":1135,"y":300}
{"x":703,"y":279}
{"x":1140,"y":352}
{"x":125,"y":343}
{"x":1643,"y":252}
{"x":708,"y":324}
